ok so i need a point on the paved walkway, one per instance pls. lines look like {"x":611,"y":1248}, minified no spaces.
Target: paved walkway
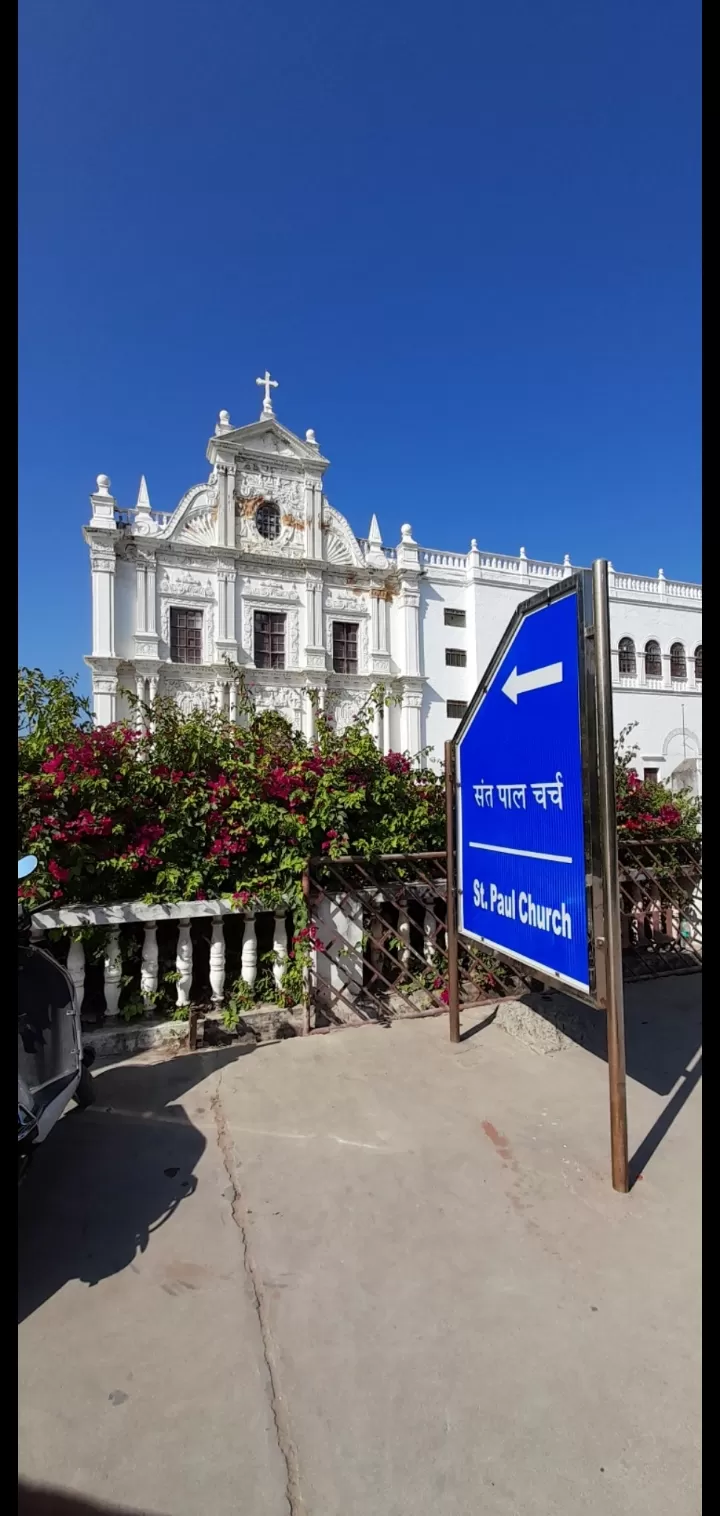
{"x":369,"y":1274}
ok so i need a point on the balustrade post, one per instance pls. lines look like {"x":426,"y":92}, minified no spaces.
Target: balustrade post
{"x":429,"y":935}
{"x":113,"y":972}
{"x":217,"y":962}
{"x":280,"y":948}
{"x":248,"y":967}
{"x":403,"y":931}
{"x":76,"y":969}
{"x":184,"y":963}
{"x":149,"y":965}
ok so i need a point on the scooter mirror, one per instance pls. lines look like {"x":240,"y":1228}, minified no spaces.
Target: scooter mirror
{"x":26,"y":866}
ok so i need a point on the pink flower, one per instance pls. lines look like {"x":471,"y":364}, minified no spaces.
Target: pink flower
{"x":57,"y":873}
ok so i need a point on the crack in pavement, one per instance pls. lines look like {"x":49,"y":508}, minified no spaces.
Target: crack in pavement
{"x":286,"y":1446}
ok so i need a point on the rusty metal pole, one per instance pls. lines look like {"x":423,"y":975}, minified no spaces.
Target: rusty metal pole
{"x":307,"y":977}
{"x":612,"y":946}
{"x":450,"y":902}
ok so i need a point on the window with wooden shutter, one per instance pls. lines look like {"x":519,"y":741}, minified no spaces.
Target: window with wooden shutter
{"x":185,"y":635}
{"x":345,"y":647}
{"x":269,"y":640}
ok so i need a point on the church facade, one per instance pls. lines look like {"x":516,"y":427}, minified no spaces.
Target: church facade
{"x":257,"y":567}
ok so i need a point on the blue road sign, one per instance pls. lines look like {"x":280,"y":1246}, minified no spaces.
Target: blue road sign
{"x":521,"y":844}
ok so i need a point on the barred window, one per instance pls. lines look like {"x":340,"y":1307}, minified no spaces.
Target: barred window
{"x":267,"y":519}
{"x":678,"y":661}
{"x":185,"y":635}
{"x":626,"y":656}
{"x":454,"y":618}
{"x":698,"y":665}
{"x":345,"y":647}
{"x":455,"y":658}
{"x":653,"y":660}
{"x":456,"y":709}
{"x":269,"y":640}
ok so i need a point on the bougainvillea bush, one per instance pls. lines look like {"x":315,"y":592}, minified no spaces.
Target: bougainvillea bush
{"x":200,"y":807}
{"x":647,"y":811}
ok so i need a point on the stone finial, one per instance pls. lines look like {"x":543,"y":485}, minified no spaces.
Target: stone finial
{"x":406,"y":534}
{"x":374,"y":534}
{"x":660,"y":574}
{"x":567,"y":566}
{"x":473,"y":545}
{"x":310,"y":437}
{"x":224,"y":424}
{"x":523,"y":554}
{"x":103,"y":484}
{"x":143,"y":499}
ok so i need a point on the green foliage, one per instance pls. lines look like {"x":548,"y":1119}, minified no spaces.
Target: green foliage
{"x":201,"y":807}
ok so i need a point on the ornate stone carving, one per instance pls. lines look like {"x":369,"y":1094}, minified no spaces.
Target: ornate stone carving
{"x":344,"y":706}
{"x":191,"y":697}
{"x":182,"y":582}
{"x":345,"y":600}
{"x":271,"y":589}
{"x":342,"y":545}
{"x":285,"y":489}
{"x":201,"y":529}
{"x":102,"y":558}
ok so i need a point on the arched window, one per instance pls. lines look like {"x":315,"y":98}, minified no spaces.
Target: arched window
{"x":678,"y":661}
{"x":698,"y":664}
{"x":267,"y":519}
{"x":653,"y":660}
{"x":626,"y":656}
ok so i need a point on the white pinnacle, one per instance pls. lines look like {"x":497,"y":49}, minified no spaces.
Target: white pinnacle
{"x":374,"y":534}
{"x":143,"y":499}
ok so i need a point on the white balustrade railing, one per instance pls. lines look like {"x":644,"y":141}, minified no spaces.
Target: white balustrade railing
{"x":133,"y":913}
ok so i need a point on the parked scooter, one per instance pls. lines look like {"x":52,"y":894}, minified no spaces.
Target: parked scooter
{"x":52,"y":1068}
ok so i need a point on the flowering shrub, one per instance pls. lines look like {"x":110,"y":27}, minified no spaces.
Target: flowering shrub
{"x":649,"y":812}
{"x":200,"y":806}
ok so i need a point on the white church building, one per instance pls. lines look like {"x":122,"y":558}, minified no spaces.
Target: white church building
{"x":256,"y":566}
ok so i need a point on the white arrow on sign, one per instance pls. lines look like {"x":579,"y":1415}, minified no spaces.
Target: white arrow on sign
{"x":519,"y":684}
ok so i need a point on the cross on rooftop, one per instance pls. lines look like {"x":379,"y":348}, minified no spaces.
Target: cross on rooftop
{"x":267,"y":384}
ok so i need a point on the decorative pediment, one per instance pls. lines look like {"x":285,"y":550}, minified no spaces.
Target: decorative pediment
{"x":266,"y":438}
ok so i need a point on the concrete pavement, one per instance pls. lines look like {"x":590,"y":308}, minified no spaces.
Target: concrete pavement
{"x":369,"y":1274}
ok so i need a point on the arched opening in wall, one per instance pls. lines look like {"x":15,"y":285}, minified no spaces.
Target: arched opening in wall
{"x":698,"y":664}
{"x":267,"y":520}
{"x":626,"y":656}
{"x":678,"y":662}
{"x":653,"y":660}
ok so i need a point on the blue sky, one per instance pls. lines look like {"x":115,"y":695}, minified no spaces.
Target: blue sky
{"x":465,"y":238}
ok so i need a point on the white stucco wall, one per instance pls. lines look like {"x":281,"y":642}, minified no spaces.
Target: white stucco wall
{"x":208,"y":554}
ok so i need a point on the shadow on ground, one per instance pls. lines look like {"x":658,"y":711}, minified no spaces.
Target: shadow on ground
{"x":663,"y":1042}
{"x":108,"y":1177}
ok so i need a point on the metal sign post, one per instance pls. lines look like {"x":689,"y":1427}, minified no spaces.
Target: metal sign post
{"x":612,"y":947}
{"x":535,"y":856}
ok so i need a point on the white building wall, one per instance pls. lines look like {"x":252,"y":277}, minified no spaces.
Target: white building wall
{"x":209,"y":555}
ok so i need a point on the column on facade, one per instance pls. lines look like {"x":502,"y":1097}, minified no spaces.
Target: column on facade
{"x":102,"y":558}
{"x":411,"y":725}
{"x":315,"y":649}
{"x":226,"y":504}
{"x":313,"y":517}
{"x":379,"y":622}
